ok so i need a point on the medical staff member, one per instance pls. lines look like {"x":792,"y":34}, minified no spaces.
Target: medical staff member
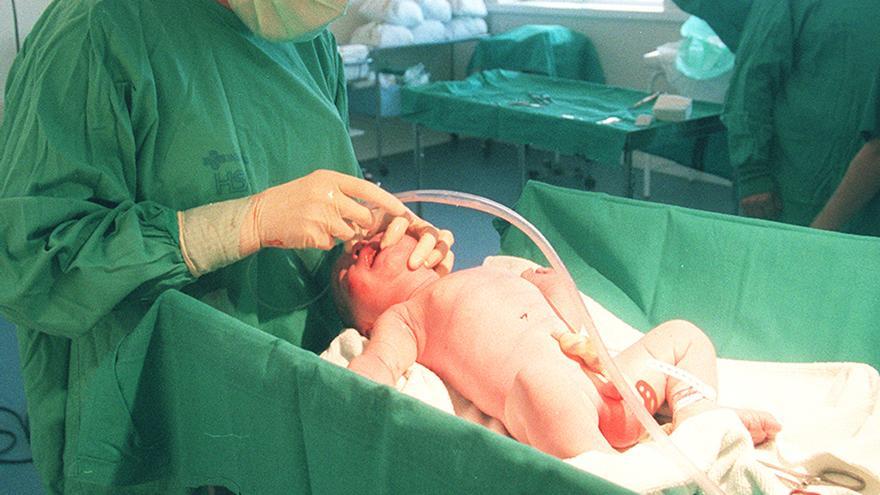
{"x":860,"y":188}
{"x":150,"y":145}
{"x":726,"y":17}
{"x":804,"y":69}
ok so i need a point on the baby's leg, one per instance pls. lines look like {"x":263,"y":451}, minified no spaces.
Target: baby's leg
{"x":683,"y":345}
{"x":549,"y":408}
{"x":678,"y":343}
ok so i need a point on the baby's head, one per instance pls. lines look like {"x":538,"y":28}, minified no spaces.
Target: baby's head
{"x":368,"y":280}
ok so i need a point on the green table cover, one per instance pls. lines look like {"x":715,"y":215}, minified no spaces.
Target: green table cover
{"x":193,"y":397}
{"x":550,"y":50}
{"x":490,"y":105}
{"x":761,"y":290}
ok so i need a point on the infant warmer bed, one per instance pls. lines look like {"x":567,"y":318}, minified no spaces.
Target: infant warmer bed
{"x":193,"y":397}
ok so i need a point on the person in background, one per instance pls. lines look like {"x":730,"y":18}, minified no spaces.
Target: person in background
{"x":803,"y":71}
{"x":859,"y":191}
{"x":197,"y":145}
{"x":726,"y":17}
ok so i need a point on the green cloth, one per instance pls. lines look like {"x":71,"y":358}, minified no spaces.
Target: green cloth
{"x":490,"y":104}
{"x":761,"y":290}
{"x":120,"y":113}
{"x":548,"y":50}
{"x":726,"y":17}
{"x":193,"y":397}
{"x":803,"y":71}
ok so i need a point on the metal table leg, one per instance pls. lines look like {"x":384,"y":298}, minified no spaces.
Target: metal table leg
{"x":417,"y":161}
{"x":628,"y":170}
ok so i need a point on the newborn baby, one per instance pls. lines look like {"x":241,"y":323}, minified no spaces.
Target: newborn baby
{"x":489,"y":333}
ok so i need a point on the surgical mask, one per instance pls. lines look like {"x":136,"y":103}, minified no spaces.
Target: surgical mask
{"x":288,"y":20}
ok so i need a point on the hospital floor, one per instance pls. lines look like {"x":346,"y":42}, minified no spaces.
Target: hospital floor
{"x":467,"y":165}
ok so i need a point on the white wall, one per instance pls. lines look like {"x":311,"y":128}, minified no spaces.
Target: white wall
{"x":28,"y":12}
{"x":619,"y":40}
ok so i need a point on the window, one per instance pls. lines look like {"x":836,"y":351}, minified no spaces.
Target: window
{"x":623,"y":5}
{"x":638,"y":8}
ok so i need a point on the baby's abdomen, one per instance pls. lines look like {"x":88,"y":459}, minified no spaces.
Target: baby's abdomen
{"x":482,"y":366}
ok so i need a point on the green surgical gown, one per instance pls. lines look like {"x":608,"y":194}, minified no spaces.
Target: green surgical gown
{"x":803,"y":72}
{"x":726,"y":17}
{"x":120,"y":113}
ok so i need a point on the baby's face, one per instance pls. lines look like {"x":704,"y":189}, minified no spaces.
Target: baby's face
{"x":368,"y":280}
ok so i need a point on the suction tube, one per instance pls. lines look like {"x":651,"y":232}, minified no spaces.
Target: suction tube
{"x":585,"y":324}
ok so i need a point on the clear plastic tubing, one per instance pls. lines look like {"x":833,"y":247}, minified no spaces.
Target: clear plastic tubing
{"x":586,"y":323}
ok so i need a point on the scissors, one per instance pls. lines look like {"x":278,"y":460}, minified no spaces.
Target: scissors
{"x":799,"y":482}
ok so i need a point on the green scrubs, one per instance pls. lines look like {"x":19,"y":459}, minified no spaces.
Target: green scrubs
{"x":803,"y":71}
{"x":726,"y":17}
{"x":120,"y":113}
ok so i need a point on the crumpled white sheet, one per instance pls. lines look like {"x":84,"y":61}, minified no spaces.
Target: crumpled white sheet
{"x":476,"y":8}
{"x":376,"y":34}
{"x":830,"y":414}
{"x":436,"y":10}
{"x":429,"y":32}
{"x":465,"y":27}
{"x":405,"y":13}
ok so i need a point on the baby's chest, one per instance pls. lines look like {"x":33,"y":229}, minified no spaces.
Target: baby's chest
{"x":490,"y":318}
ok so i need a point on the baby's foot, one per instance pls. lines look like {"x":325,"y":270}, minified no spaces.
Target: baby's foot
{"x":762,"y":425}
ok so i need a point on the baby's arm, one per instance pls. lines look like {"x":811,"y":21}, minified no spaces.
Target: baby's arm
{"x":391,"y":349}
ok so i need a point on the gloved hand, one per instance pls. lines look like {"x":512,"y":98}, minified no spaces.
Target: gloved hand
{"x":433,"y":249}
{"x":310,"y":212}
{"x":314,"y":211}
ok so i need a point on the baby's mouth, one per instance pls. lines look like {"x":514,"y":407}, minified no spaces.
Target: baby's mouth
{"x":366,"y":253}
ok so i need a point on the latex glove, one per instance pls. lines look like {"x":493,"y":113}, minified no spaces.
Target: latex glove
{"x":313,"y":212}
{"x":310,"y":212}
{"x":433,"y":249}
{"x":762,"y":205}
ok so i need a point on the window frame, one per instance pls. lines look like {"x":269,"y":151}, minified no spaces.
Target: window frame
{"x":628,"y":9}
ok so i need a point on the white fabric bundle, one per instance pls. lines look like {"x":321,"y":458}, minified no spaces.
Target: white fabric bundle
{"x":436,"y":10}
{"x":376,"y":34}
{"x":475,"y":8}
{"x":355,"y":60}
{"x":398,"y":12}
{"x":465,"y":27}
{"x":354,"y":53}
{"x":429,"y":32}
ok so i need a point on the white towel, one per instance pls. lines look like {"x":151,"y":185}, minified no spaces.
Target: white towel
{"x":475,"y":8}
{"x":436,"y":10}
{"x":466,"y":27}
{"x":716,"y":442}
{"x":374,"y":34}
{"x":405,"y":13}
{"x":429,"y":32}
{"x":830,"y":414}
{"x":354,"y":53}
